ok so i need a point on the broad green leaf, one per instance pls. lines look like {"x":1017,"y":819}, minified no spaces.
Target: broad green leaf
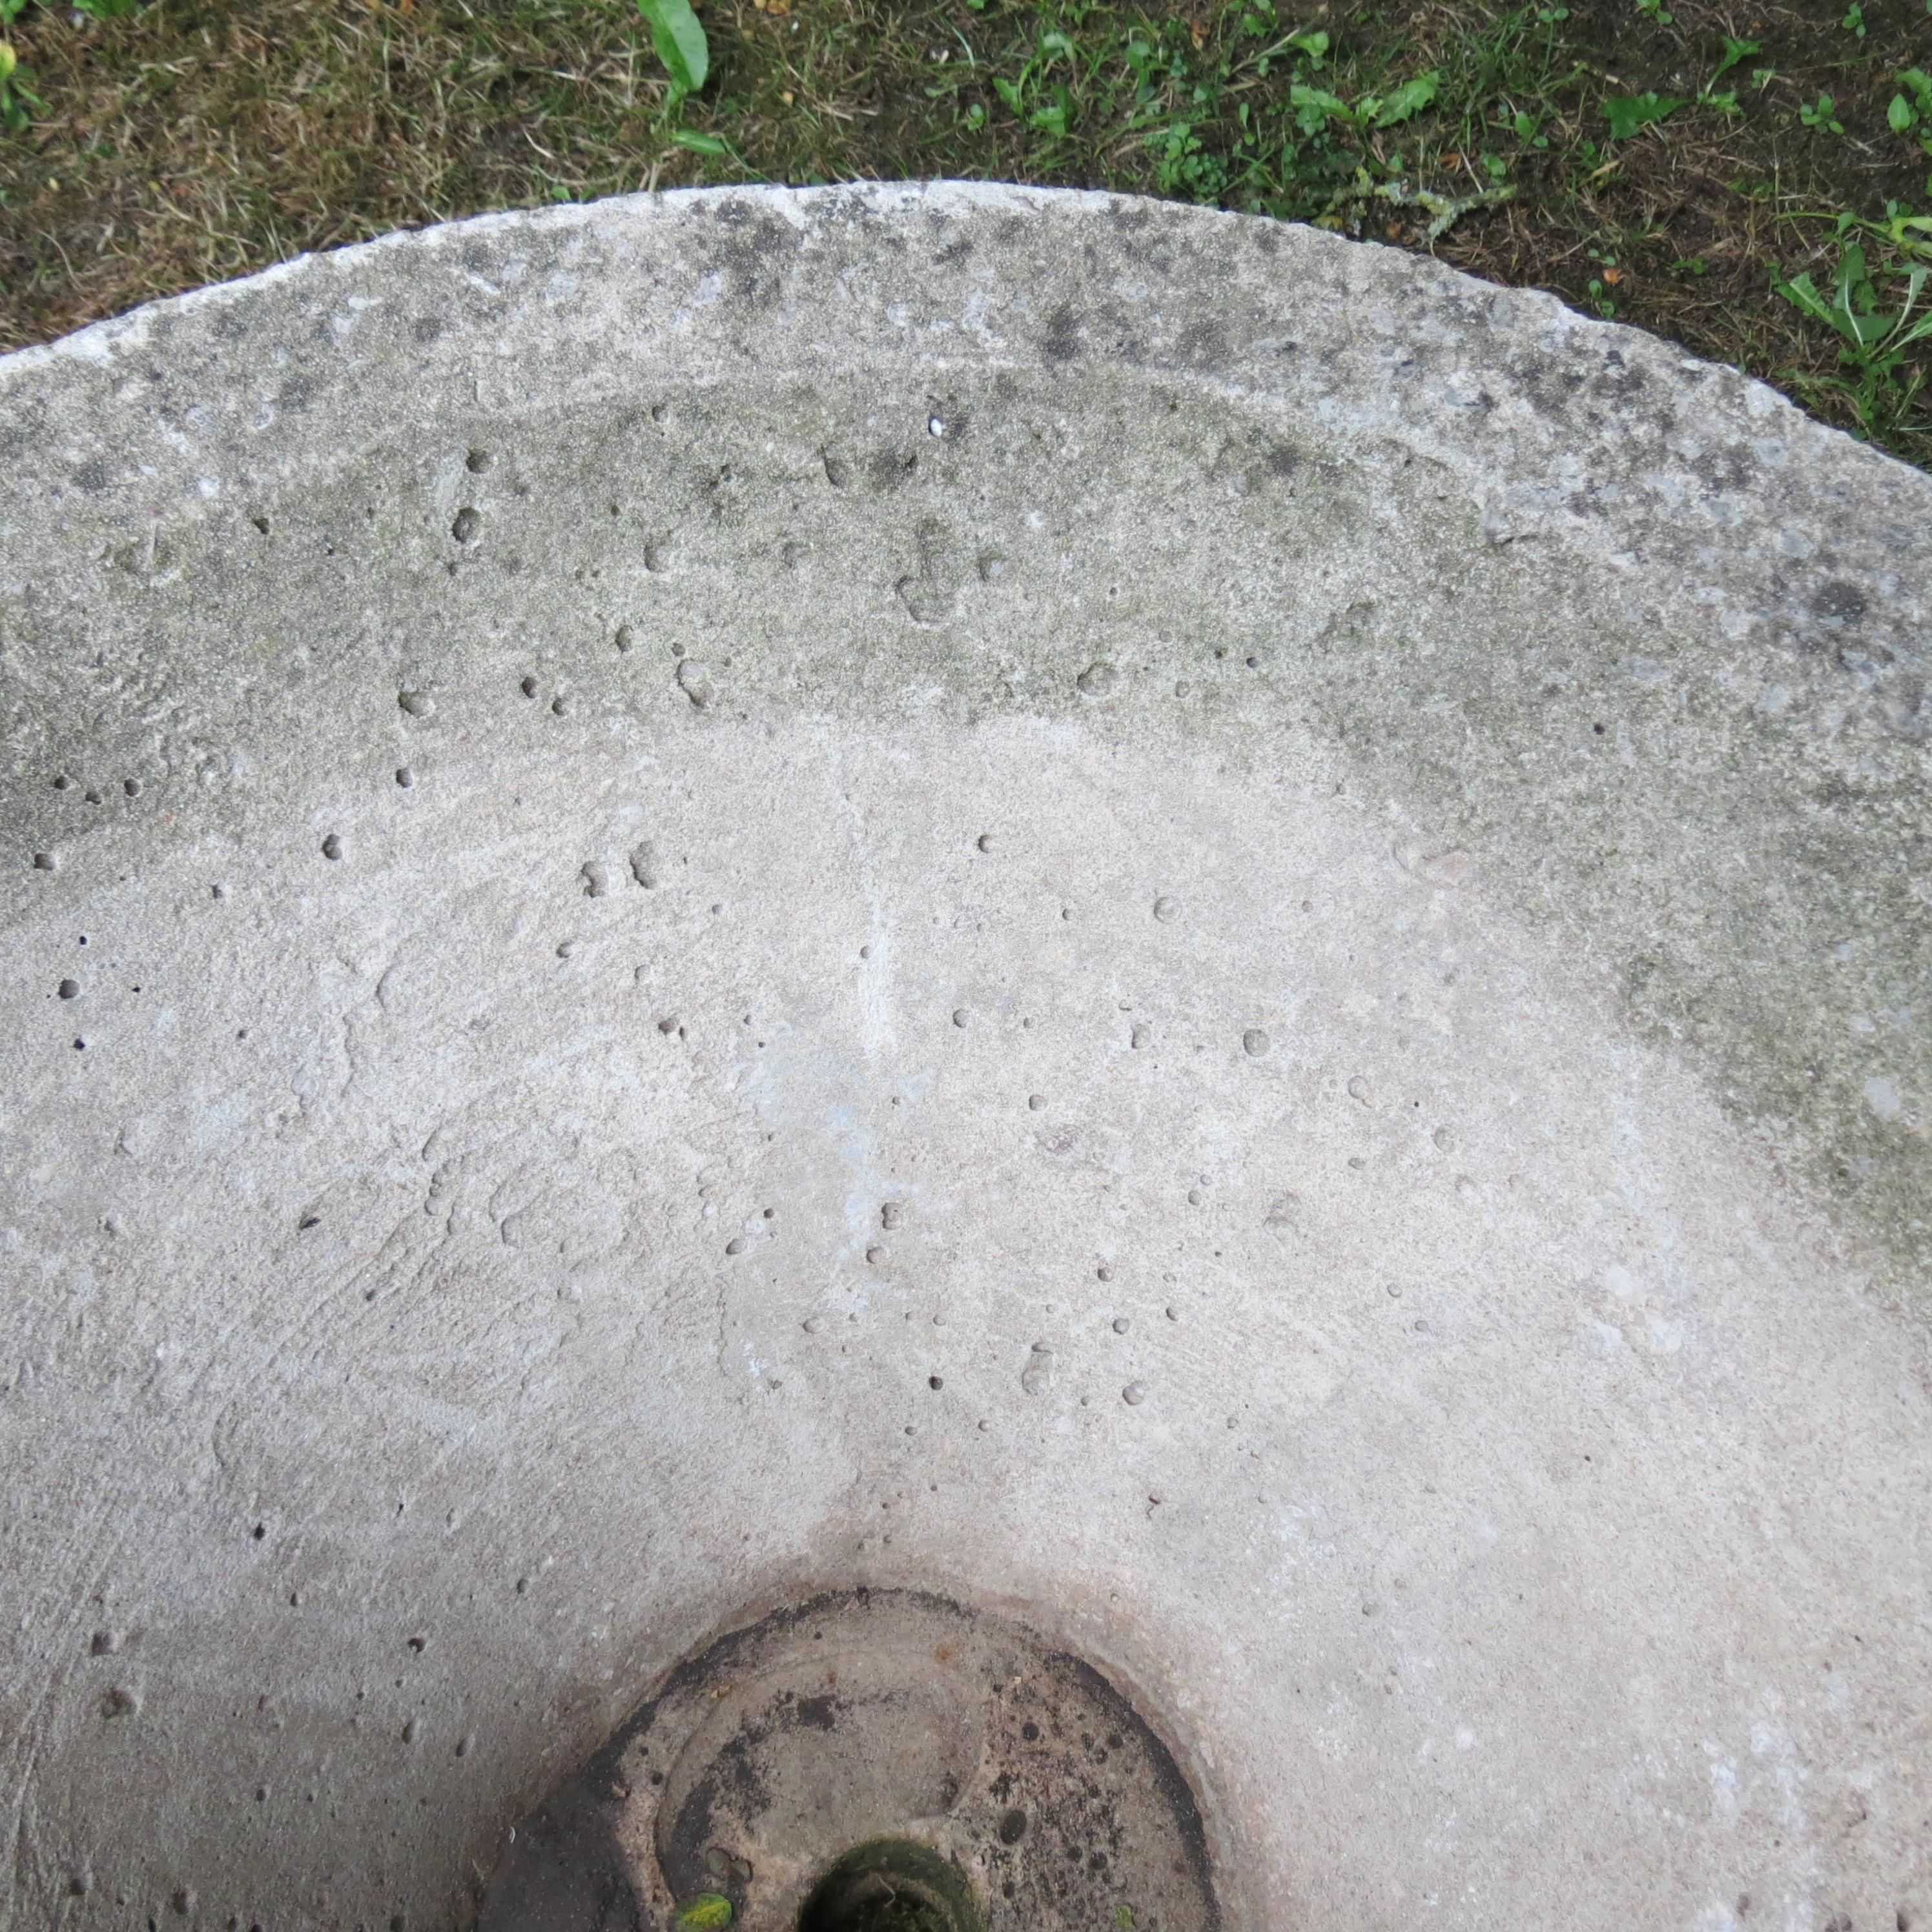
{"x":699,"y":144}
{"x":1313,"y":106}
{"x":679,"y":41}
{"x":1802,"y":293}
{"x":1922,"y":328}
{"x":1627,"y":113}
{"x":1857,"y":299}
{"x":1051,"y":119}
{"x":1855,"y":311}
{"x":707,"y":1911}
{"x":1901,"y":114}
{"x":1410,"y":97}
{"x":1735,"y":51}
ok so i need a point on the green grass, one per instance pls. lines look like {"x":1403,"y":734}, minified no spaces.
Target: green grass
{"x":1695,"y":169}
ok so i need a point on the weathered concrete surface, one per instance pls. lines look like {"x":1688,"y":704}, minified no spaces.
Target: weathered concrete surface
{"x":1305,"y":879}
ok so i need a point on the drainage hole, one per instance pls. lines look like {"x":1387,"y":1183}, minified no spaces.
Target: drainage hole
{"x":892,"y":1885}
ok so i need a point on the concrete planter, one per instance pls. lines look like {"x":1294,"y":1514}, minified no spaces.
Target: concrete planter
{"x":1185,"y":930}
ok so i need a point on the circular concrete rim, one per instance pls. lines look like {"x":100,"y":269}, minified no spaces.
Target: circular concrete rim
{"x":1785,"y":571}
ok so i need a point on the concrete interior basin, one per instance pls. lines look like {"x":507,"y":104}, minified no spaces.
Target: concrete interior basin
{"x":1184,"y":938}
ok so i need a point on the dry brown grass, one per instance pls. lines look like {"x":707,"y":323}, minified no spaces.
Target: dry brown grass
{"x":200,"y":140}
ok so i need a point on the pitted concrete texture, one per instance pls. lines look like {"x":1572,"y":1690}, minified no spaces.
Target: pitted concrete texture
{"x":1113,"y":910}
